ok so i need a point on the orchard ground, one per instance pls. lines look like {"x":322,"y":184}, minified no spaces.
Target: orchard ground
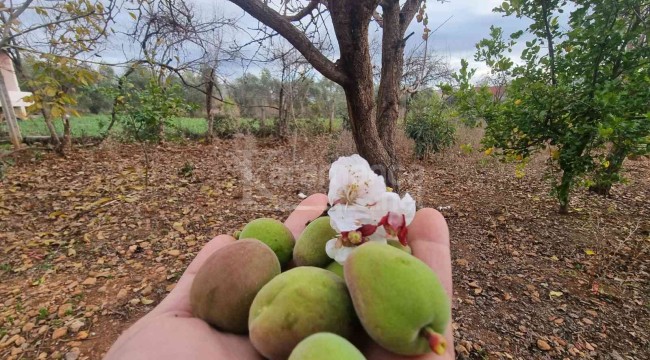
{"x":88,"y":248}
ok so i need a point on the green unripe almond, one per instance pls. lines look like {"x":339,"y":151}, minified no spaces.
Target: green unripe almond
{"x":325,"y":346}
{"x":296,"y":304}
{"x":274,"y":234}
{"x":398,"y":298}
{"x":310,"y":246}
{"x":225,"y":286}
{"x":336,"y":268}
{"x":397,"y":244}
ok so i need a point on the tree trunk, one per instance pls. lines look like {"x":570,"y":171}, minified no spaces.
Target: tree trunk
{"x":10,"y":115}
{"x":209,"y":88}
{"x":332,"y":111}
{"x":564,"y":190}
{"x":351,"y":25}
{"x":67,"y":138}
{"x":282,"y":115}
{"x":47,"y":117}
{"x":392,"y":64}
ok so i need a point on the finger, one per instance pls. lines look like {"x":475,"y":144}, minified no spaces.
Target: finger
{"x":428,"y":237}
{"x":308,"y":210}
{"x":179,"y":298}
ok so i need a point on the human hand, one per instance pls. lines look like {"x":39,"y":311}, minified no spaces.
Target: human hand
{"x":170,"y":331}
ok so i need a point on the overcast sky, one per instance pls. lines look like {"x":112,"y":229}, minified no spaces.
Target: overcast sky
{"x":465,"y":23}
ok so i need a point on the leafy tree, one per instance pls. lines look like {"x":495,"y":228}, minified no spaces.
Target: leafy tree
{"x":144,"y":112}
{"x":581,"y":89}
{"x":59,"y":31}
{"x":373,"y":115}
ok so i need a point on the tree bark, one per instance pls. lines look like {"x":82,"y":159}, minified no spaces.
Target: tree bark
{"x":392,"y":66}
{"x":47,"y":117}
{"x":209,"y":89}
{"x":282,"y":115}
{"x":549,"y":40}
{"x":67,"y":137}
{"x":332,"y":110}
{"x":374,"y":137}
{"x":351,"y":23}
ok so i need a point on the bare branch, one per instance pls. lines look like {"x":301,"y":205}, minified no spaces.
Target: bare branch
{"x":313,"y":4}
{"x":298,"y":39}
{"x":407,"y":13}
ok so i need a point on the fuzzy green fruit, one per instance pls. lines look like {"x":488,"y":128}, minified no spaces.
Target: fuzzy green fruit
{"x":325,"y":346}
{"x":274,"y":234}
{"x":295,"y":304}
{"x":225,"y":286}
{"x":398,"y":298}
{"x":310,"y":246}
{"x":397,"y":244}
{"x":336,"y":268}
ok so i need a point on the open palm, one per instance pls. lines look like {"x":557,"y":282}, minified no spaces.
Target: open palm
{"x":171,"y":332}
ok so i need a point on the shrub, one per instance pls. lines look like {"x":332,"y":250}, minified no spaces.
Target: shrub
{"x":225,"y":126}
{"x":311,"y":126}
{"x":428,"y":123}
{"x":145,"y":113}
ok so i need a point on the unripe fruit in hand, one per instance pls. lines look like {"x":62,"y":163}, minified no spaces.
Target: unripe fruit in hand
{"x":274,"y":234}
{"x":225,"y":286}
{"x":398,"y":298}
{"x":336,"y":268}
{"x":295,"y":304}
{"x":310,"y":246}
{"x":325,"y":346}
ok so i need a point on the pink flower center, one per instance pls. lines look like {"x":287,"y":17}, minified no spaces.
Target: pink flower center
{"x":395,"y":226}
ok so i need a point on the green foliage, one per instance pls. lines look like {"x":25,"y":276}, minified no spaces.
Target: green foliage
{"x":53,"y":83}
{"x":187,"y":170}
{"x":581,"y":89}
{"x":472,"y":104}
{"x":311,"y":126}
{"x":428,"y":123}
{"x":43,"y":313}
{"x":145,"y":113}
{"x":225,"y":126}
{"x":95,"y":97}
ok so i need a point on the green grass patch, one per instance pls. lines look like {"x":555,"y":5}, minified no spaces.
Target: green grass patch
{"x":95,"y":125}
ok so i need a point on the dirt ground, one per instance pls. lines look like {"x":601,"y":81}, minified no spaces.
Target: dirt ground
{"x":92,"y":242}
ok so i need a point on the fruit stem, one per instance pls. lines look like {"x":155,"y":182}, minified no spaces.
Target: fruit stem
{"x":436,"y":340}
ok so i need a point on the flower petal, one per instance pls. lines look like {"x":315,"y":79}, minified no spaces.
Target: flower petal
{"x":330,"y":248}
{"x":348,"y":217}
{"x":407,"y":207}
{"x":343,"y":253}
{"x":353,"y":181}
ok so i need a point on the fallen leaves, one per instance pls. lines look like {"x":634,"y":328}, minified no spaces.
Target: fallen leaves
{"x":512,"y":252}
{"x":59,"y":333}
{"x":543,"y":345}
